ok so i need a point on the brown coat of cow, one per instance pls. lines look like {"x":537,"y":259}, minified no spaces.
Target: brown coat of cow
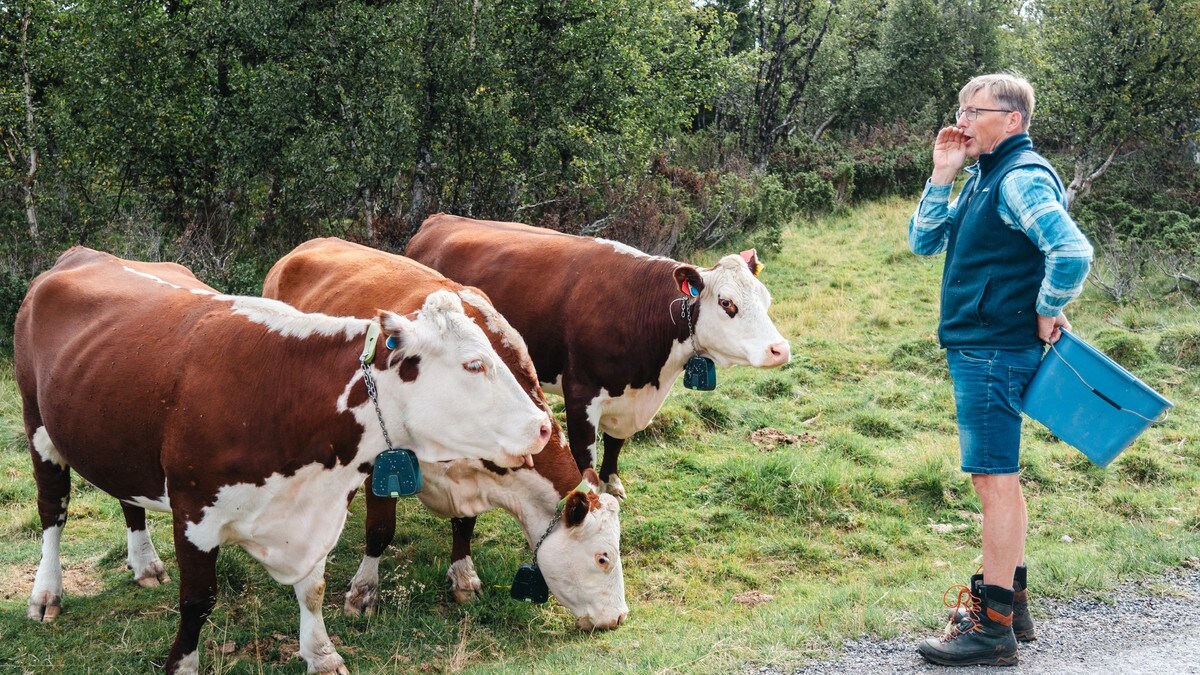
{"x":607,"y":326}
{"x":244,"y":418}
{"x":338,"y":277}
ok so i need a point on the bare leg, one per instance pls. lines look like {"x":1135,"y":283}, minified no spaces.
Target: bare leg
{"x":1005,"y":521}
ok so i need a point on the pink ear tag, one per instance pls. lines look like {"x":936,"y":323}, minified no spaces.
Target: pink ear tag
{"x":689,"y":289}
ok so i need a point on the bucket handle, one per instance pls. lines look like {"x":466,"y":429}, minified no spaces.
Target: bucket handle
{"x":1118,"y":406}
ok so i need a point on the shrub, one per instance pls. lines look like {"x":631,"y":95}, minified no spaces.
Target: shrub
{"x":1180,"y":346}
{"x":1128,"y":349}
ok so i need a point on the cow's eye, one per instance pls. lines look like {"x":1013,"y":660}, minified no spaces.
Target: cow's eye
{"x":726,"y":303}
{"x":603,"y":561}
{"x":475,"y":366}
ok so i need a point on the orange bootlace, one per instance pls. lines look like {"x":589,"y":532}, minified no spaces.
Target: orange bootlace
{"x":963,"y":598}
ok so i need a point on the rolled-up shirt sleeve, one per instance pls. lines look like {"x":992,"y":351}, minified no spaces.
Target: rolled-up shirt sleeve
{"x":929,"y":227}
{"x":1029,"y":202}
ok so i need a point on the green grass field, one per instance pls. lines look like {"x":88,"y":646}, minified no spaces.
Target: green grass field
{"x":856,"y":526}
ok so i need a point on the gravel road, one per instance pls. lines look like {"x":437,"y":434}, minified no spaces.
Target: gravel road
{"x":1142,"y":631}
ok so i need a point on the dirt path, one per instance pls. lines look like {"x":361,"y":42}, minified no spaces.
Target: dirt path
{"x":1150,"y":627}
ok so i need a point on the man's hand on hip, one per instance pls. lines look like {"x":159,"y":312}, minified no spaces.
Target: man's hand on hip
{"x":1049,"y":327}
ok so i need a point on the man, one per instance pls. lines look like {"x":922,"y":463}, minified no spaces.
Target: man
{"x":1014,"y":259}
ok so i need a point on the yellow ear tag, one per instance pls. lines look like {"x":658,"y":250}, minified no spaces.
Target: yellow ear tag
{"x":758,"y":268}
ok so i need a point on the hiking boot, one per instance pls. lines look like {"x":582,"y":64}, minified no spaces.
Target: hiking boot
{"x":1022,"y":620}
{"x":983,"y":637}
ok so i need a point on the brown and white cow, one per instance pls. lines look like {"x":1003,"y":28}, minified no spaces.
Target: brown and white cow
{"x":246,"y":419}
{"x":581,"y":558}
{"x":605,"y":323}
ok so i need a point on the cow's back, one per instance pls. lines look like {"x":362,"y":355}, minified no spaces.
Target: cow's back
{"x":562,"y":292}
{"x":314,"y":277}
{"x":89,"y":344}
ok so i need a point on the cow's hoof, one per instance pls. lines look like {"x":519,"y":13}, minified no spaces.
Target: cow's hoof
{"x":361,"y":600}
{"x":154,"y":574}
{"x":328,"y":664}
{"x":614,"y":487}
{"x":44,"y":607}
{"x":465,"y":585}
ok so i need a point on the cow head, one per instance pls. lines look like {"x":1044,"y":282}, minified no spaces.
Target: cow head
{"x":581,"y":559}
{"x":451,"y":393}
{"x":733,"y":327}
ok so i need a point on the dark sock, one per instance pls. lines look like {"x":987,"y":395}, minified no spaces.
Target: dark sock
{"x":1003,"y":596}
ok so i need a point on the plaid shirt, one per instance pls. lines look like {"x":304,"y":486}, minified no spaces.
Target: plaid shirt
{"x":1030,"y":203}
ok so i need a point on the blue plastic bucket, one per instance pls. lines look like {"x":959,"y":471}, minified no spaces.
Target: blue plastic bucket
{"x":1089,"y":401}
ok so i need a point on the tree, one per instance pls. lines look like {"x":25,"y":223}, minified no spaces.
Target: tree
{"x":1111,"y":73}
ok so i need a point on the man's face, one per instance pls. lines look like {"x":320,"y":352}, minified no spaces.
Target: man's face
{"x":989,"y":128}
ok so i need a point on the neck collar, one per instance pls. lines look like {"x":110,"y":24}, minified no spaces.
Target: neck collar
{"x":1006,"y":147}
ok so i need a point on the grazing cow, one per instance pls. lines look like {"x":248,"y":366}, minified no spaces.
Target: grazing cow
{"x":608,"y":327}
{"x":581,"y":559}
{"x":249,"y":421}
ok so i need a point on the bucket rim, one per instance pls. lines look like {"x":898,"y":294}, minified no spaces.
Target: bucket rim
{"x":1080,"y":342}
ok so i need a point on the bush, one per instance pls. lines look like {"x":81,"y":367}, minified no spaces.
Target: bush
{"x":1128,"y":349}
{"x":1180,"y":346}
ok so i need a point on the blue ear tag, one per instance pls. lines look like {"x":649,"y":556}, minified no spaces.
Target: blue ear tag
{"x":700,"y":373}
{"x":397,"y":473}
{"x":391,"y":342}
{"x":690,"y":289}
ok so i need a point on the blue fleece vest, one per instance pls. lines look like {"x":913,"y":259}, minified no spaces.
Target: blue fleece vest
{"x":993,"y":272}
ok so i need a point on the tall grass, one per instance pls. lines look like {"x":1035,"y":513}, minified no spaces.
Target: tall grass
{"x":856,"y":527}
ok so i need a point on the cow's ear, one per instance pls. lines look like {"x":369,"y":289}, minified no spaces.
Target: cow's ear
{"x":589,"y":475}
{"x":398,"y":329}
{"x":576,"y":509}
{"x":751,"y":258}
{"x":689,"y":280}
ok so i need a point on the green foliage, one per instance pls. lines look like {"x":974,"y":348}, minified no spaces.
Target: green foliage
{"x":1128,"y":349}
{"x":1180,"y":346}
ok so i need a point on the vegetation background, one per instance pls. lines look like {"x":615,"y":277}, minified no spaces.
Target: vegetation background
{"x":220,"y":133}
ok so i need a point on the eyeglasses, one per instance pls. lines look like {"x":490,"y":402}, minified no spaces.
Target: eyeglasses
{"x":972,"y":114}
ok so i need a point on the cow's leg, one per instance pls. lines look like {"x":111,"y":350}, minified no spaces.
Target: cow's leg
{"x":148,"y":569}
{"x":381,"y":529}
{"x":464,"y":582}
{"x":53,"y":478}
{"x":608,"y":468}
{"x":315,"y":646}
{"x":581,"y":426}
{"x":197,"y":595}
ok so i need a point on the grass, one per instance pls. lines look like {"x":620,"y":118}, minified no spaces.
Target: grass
{"x":838,"y":527}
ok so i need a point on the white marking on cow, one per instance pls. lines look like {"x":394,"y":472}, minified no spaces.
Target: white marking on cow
{"x":286,"y":320}
{"x":626,"y":249}
{"x":157,"y":504}
{"x":46,"y":596}
{"x":498,"y":325}
{"x":155,"y":279}
{"x":464,"y":581}
{"x":189,"y":664}
{"x":279,"y":523}
{"x":147,"y":568}
{"x":749,"y":338}
{"x":632,"y":410}
{"x":316,"y":648}
{"x":555,"y":387}
{"x":45,"y":449}
{"x":364,"y":588}
{"x":569,"y":559}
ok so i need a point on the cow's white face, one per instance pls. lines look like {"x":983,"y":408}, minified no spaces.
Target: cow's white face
{"x":581,"y":561}
{"x":450,"y":393}
{"x":733,"y":328}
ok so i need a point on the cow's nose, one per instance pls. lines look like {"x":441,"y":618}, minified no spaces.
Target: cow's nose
{"x":779,"y":353}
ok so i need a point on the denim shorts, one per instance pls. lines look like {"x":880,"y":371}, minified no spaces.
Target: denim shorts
{"x":988,"y":384}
